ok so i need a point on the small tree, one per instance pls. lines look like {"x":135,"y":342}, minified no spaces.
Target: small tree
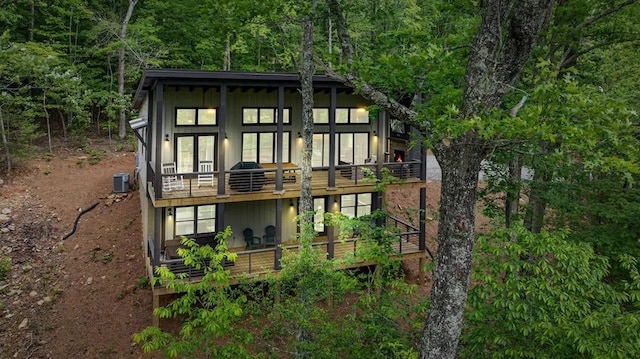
{"x":210,"y":309}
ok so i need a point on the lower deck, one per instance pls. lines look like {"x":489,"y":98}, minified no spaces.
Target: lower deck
{"x":259,"y":262}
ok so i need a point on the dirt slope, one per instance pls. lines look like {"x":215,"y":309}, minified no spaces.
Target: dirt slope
{"x":78,"y":298}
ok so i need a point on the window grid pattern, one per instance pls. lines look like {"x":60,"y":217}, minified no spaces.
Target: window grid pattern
{"x":264,"y":116}
{"x":355,"y":205}
{"x":194,"y":220}
{"x":348,"y":115}
{"x":261,"y":147}
{"x":196,"y":117}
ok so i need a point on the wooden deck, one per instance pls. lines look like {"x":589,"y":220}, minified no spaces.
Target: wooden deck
{"x":260,"y":262}
{"x":194,"y":195}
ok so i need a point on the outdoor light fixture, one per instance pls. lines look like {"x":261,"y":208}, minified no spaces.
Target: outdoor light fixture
{"x":290,"y":202}
{"x":375,"y":133}
{"x":169,"y":211}
{"x":299,"y":135}
{"x":166,"y":137}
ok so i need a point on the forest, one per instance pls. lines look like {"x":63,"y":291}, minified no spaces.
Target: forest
{"x":496,"y":85}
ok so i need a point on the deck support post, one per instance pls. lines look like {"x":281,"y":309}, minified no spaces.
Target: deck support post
{"x":421,"y":273}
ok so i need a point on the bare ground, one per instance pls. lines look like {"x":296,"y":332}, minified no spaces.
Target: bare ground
{"x":85,"y":296}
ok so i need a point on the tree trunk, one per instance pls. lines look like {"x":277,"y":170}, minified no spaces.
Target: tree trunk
{"x":226,"y":64}
{"x":5,"y":144}
{"x":32,"y":19}
{"x":534,"y":218}
{"x":306,"y":82}
{"x":307,"y":70}
{"x":122,"y":123}
{"x":512,"y":202}
{"x":460,"y":165}
{"x":507,"y":34}
{"x":46,"y":113}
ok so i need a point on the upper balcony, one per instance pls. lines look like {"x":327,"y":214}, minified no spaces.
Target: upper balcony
{"x":252,"y":181}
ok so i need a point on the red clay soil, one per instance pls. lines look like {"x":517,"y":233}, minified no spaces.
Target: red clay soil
{"x":84,"y":297}
{"x":77,"y":298}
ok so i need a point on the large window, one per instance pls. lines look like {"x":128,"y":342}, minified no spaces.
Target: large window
{"x":194,"y":220}
{"x":318,"y":218}
{"x":263,"y":116}
{"x":355,"y":205}
{"x":261,"y":147}
{"x":352,"y":148}
{"x":196,"y":117}
{"x":194,"y":148}
{"x":343,"y":115}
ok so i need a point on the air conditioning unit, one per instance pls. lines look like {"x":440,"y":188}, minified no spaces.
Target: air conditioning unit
{"x":121,"y":183}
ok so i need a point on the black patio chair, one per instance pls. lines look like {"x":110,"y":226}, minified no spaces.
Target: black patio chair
{"x":269,"y":238}
{"x":252,"y":241}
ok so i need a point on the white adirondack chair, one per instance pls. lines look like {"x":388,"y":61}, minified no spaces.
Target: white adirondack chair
{"x":171,"y":179}
{"x":205,"y":173}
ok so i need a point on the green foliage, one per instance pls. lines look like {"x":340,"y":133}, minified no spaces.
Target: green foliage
{"x":210,"y":309}
{"x":107,"y":258}
{"x":143,"y":282}
{"x":5,"y":267}
{"x":94,"y":156}
{"x":541,"y":296}
{"x":332,"y":313}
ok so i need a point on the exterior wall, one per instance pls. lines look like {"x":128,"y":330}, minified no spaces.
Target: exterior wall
{"x":181,"y":97}
{"x":255,"y":215}
{"x":258,"y":215}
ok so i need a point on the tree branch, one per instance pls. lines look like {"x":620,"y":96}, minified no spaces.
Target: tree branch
{"x":391,"y":106}
{"x":607,"y":12}
{"x":342,"y":30}
{"x":395,"y":109}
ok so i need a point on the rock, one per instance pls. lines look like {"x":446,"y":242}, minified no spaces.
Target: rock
{"x":24,"y":323}
{"x":47,"y":299}
{"x":1,"y":182}
{"x":89,"y":280}
{"x":4,"y":218}
{"x":5,"y":230}
{"x":33,"y":294}
{"x":40,"y":302}
{"x":6,"y":211}
{"x":12,"y":227}
{"x":26,"y":267}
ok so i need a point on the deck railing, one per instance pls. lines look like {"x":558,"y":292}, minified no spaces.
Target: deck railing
{"x":256,"y":180}
{"x":255,"y":262}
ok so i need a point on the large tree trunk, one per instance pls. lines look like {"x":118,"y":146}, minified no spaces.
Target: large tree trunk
{"x":460,"y":163}
{"x":122,"y":122}
{"x":503,"y":44}
{"x":306,"y":200}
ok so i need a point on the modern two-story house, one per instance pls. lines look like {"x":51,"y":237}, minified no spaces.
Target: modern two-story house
{"x":220,"y":149}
